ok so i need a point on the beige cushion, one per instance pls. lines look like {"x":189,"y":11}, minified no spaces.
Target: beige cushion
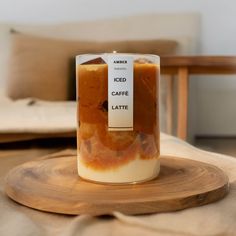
{"x":41,"y":67}
{"x":38,"y":68}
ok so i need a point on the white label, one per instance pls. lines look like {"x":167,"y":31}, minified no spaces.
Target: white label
{"x":120,"y":93}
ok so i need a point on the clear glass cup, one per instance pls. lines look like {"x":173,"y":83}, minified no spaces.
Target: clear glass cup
{"x":127,"y":154}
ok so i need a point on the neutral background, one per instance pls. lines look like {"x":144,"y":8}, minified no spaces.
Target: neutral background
{"x":215,"y":104}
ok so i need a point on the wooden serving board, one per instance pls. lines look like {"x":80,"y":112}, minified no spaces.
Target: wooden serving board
{"x":53,"y":185}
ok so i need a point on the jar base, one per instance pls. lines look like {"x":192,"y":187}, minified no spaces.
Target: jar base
{"x":137,"y":171}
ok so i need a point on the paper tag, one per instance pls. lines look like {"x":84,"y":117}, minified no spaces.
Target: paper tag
{"x":120,"y":93}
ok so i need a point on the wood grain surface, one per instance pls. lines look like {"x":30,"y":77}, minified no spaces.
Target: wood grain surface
{"x":53,"y":185}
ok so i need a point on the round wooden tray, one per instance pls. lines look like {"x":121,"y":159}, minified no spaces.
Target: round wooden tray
{"x":53,"y":185}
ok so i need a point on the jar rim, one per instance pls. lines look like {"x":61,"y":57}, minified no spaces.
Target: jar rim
{"x":82,"y":57}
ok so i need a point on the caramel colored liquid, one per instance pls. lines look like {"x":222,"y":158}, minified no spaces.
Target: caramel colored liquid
{"x":102,"y":149}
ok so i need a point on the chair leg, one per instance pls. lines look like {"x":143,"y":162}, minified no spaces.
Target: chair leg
{"x":169,"y":103}
{"x":182,"y":89}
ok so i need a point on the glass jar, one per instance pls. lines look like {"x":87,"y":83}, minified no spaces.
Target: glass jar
{"x":118,"y":133}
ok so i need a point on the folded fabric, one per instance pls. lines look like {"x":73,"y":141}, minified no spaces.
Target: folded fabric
{"x":210,"y":220}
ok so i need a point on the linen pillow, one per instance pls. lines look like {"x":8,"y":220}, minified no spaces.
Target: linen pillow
{"x":44,"y":67}
{"x":40,"y":67}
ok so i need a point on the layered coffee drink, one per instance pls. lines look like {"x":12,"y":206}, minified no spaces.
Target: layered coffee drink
{"x":118,"y":119}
